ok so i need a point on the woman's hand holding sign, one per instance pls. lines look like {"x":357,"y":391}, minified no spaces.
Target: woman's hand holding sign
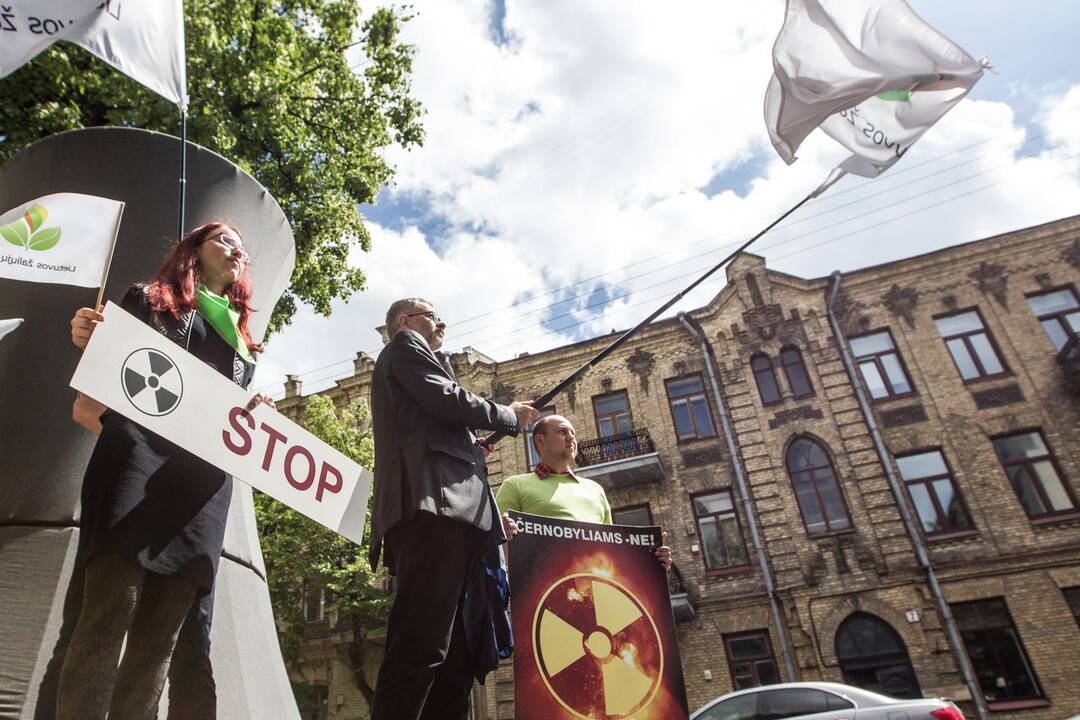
{"x":83,"y":324}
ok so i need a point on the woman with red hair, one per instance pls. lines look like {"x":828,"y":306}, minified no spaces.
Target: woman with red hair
{"x":153,"y":514}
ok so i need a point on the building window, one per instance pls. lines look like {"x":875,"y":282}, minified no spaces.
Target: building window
{"x":1072,"y":596}
{"x":314,"y":602}
{"x":532,"y":455}
{"x":613,"y":414}
{"x":970,"y":345}
{"x":613,"y":419}
{"x":795,"y":370}
{"x":816,"y":489}
{"x":750,"y":659}
{"x":765,"y":379}
{"x":689,"y":408}
{"x":933,"y":493}
{"x":639,"y":515}
{"x":718,"y":527}
{"x":1033,"y":473}
{"x":313,"y":701}
{"x":873,"y":656}
{"x":997,"y":655}
{"x":880,"y":365}
{"x":1059,"y":313}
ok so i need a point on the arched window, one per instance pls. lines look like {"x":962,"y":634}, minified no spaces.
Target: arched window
{"x":795,"y":370}
{"x":765,"y":379}
{"x":873,"y":656}
{"x":820,"y":500}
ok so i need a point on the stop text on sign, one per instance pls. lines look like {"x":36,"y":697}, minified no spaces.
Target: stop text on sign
{"x":297,"y":463}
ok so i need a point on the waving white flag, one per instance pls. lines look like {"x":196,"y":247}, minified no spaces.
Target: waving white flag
{"x":6,"y":326}
{"x":144,"y":39}
{"x":64,"y":238}
{"x":870,"y":73}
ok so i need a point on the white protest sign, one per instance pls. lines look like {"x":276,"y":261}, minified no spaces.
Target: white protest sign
{"x":151,"y":380}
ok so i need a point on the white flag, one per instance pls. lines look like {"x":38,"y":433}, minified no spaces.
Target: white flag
{"x":870,"y":73}
{"x":6,"y":326}
{"x":64,"y":238}
{"x":143,"y":39}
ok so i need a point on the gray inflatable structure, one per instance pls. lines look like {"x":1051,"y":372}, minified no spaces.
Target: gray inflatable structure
{"x":43,"y":453}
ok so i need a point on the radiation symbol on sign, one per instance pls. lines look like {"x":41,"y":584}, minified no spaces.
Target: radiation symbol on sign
{"x":597,"y":649}
{"x":152,"y":382}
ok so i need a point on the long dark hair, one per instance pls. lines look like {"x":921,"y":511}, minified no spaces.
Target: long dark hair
{"x":176,"y":283}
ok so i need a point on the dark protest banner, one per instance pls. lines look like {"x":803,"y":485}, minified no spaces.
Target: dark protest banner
{"x":593,"y":630}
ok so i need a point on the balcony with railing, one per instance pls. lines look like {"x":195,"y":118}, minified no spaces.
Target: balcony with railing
{"x":1069,"y":359}
{"x":621,"y":460}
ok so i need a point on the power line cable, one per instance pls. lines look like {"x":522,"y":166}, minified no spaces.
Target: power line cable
{"x":653,"y":270}
{"x":837,"y":238}
{"x":774,"y":245}
{"x":884,"y":191}
{"x":826,"y":199}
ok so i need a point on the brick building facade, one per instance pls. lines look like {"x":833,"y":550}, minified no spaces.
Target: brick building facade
{"x":965,"y":359}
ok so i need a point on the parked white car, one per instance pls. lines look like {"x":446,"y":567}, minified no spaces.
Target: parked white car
{"x":821,"y":701}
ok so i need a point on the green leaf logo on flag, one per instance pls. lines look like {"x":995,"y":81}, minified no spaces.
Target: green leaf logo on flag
{"x":27,"y":233}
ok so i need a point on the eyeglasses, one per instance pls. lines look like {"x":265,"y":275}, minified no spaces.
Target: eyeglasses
{"x":430,"y":314}
{"x":235,"y":246}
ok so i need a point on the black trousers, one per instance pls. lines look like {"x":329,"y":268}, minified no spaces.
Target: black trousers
{"x":192,"y":691}
{"x":428,"y":670}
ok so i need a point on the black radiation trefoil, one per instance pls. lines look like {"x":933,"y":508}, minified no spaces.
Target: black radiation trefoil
{"x":152,"y":382}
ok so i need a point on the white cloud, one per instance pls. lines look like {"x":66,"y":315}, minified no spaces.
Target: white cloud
{"x":578,"y":148}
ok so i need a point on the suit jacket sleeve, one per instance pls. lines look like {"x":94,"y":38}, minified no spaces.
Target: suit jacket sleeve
{"x":416,"y":369}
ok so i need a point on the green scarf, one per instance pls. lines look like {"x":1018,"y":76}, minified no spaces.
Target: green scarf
{"x":217,"y":311}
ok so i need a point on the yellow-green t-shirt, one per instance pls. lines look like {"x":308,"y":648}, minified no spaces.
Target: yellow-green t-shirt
{"x":556,"y":496}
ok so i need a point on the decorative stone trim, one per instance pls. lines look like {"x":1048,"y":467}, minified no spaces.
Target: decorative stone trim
{"x":999,"y":396}
{"x":901,"y":302}
{"x":702,"y":456}
{"x":641,"y":364}
{"x":992,"y":280}
{"x":906,"y":415}
{"x":804,"y":412}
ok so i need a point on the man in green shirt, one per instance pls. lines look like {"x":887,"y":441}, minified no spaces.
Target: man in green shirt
{"x":553,"y":489}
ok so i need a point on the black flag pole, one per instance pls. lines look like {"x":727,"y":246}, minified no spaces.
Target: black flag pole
{"x":183,"y":174}
{"x":619,"y":341}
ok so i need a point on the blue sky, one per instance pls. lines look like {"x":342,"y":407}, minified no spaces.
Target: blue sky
{"x":584,"y":160}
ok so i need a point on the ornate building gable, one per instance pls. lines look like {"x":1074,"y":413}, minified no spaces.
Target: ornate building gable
{"x":765,"y":329}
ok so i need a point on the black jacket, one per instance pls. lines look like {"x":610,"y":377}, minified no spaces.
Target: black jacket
{"x":426,"y":457}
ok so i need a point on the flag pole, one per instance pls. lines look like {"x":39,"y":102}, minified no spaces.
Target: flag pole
{"x":183,"y":174}
{"x":621,"y":340}
{"x":108,"y":262}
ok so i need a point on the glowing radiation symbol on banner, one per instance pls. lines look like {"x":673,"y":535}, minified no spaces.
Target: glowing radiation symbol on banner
{"x":152,"y":382}
{"x":597,"y":649}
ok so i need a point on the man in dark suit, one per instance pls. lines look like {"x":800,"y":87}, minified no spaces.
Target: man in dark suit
{"x":434,"y":515}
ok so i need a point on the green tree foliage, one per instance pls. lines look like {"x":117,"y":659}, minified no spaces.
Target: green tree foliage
{"x":301,"y":553}
{"x":303,"y":94}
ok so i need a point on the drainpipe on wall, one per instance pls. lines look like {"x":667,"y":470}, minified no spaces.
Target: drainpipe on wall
{"x":744,"y":492}
{"x":921,"y":553}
